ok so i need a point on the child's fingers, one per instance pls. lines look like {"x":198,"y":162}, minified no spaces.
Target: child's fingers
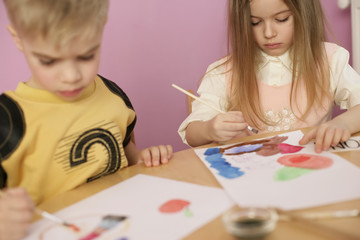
{"x":338,"y":135}
{"x":319,"y":141}
{"x":16,"y":192}
{"x":328,"y":138}
{"x":235,"y":127}
{"x":231,"y":117}
{"x":169,"y":151}
{"x":345,"y":136}
{"x":166,"y":153}
{"x":14,"y":231}
{"x":317,"y":134}
{"x":17,"y":210}
{"x":155,"y":155}
{"x":308,"y":137}
{"x":145,"y":156}
{"x":19,"y":199}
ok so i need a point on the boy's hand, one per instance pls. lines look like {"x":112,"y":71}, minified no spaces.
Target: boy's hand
{"x":326,"y":135}
{"x":156,"y":155}
{"x":16,"y":213}
{"x":226,"y":126}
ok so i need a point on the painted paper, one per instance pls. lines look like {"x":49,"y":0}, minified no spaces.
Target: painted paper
{"x":142,"y":207}
{"x":278,"y":172}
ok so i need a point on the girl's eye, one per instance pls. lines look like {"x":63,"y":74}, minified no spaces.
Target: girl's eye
{"x":283,"y":20}
{"x":87,"y":58}
{"x":255,"y":23}
{"x":47,"y":62}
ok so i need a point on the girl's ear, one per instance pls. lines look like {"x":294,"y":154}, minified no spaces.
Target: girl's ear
{"x":15,"y":37}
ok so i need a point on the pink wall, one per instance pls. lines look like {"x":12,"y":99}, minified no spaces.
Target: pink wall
{"x":148,"y":45}
{"x":340,"y":22}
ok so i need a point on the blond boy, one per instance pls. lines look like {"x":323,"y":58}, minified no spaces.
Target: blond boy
{"x":66,"y":125}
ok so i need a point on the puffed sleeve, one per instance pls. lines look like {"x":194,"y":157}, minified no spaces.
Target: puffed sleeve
{"x":212,"y":90}
{"x":344,"y":80}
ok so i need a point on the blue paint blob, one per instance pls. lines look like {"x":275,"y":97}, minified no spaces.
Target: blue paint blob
{"x":219,"y":163}
{"x":241,"y":149}
{"x":231,"y":174}
{"x":211,"y":151}
{"x":215,"y":158}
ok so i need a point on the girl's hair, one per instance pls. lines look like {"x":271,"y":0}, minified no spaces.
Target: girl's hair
{"x":59,"y":21}
{"x":308,"y":54}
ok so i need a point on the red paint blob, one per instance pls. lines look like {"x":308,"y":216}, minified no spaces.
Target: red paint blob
{"x":299,"y":159}
{"x":287,"y":148}
{"x":308,"y":161}
{"x":91,"y":236}
{"x":173,"y":206}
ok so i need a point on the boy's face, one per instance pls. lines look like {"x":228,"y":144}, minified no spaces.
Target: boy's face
{"x":64,"y":71}
{"x":273,"y":26}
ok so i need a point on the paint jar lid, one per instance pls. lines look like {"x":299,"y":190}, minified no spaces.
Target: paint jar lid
{"x":250,"y":223}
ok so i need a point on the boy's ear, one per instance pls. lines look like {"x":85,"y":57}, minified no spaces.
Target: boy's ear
{"x":15,"y":37}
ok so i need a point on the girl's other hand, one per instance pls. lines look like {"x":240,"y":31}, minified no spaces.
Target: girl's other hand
{"x":156,"y":155}
{"x":326,"y":135}
{"x":16,"y":213}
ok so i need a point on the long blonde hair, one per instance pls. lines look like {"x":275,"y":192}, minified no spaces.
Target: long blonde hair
{"x":59,"y":21}
{"x":308,"y":57}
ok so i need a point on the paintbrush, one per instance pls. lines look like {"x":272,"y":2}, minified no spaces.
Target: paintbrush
{"x":317,"y":215}
{"x":309,"y":220}
{"x":50,"y":216}
{"x":56,"y":219}
{"x":207,"y":104}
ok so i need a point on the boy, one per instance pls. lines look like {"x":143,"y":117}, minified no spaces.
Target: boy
{"x":66,"y":125}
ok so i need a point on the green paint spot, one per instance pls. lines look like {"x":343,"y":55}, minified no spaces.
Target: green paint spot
{"x":187,"y":212}
{"x":290,"y":173}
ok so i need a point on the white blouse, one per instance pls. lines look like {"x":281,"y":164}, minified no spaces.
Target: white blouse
{"x":344,"y":84}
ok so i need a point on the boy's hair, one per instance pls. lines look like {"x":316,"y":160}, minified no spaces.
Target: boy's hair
{"x":59,"y":21}
{"x":308,"y":55}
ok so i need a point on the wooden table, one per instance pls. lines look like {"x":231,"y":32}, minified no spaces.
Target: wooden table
{"x":186,"y":166}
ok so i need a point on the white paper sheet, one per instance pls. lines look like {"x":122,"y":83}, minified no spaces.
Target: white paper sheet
{"x":139,"y":199}
{"x":262,"y":181}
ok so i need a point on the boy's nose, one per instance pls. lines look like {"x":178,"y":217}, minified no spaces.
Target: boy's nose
{"x":71,"y":75}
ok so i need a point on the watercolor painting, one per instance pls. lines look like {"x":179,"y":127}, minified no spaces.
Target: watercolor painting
{"x":297,"y":165}
{"x":278,"y":172}
{"x":137,"y":208}
{"x":264,"y":147}
{"x":175,"y":206}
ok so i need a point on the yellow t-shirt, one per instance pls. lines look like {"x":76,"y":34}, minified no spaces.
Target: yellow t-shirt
{"x":49,"y":146}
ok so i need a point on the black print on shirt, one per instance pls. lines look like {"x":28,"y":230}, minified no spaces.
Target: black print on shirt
{"x":79,"y":150}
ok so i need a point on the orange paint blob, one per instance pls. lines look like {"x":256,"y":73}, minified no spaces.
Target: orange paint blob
{"x":73,"y":227}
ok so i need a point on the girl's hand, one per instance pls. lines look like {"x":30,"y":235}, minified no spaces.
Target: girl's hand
{"x":16,"y":213}
{"x":326,"y":135}
{"x":156,"y":155}
{"x":226,"y":126}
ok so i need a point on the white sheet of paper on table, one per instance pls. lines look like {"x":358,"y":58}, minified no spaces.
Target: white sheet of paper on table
{"x":257,"y":187}
{"x":139,"y":198}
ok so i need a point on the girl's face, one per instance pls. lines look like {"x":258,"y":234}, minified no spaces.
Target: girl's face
{"x":273,"y":26}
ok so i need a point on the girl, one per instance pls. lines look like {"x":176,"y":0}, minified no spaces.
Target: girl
{"x":280,"y":74}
